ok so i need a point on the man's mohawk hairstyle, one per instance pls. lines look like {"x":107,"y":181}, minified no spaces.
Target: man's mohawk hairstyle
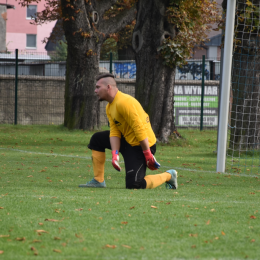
{"x":104,"y":75}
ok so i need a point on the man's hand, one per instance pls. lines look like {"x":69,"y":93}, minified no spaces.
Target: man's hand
{"x":151,"y":162}
{"x":115,"y":160}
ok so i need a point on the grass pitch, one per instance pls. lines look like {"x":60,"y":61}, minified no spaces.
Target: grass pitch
{"x":44,"y":215}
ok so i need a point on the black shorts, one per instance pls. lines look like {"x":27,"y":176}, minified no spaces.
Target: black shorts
{"x":135,"y":164}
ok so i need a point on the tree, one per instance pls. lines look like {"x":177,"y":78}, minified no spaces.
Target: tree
{"x":87,"y":24}
{"x":60,"y":53}
{"x":165,"y":33}
{"x":245,"y":126}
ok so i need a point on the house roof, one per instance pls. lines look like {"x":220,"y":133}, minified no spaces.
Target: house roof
{"x":214,"y":41}
{"x":57,"y":35}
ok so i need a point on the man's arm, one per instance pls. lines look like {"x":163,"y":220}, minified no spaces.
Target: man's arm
{"x":145,"y":144}
{"x":115,"y":143}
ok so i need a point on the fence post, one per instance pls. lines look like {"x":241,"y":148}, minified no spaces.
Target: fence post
{"x":111,"y":58}
{"x":16,"y":86}
{"x":202,"y":92}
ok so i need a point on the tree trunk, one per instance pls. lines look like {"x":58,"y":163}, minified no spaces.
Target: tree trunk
{"x":154,"y":81}
{"x":245,"y":114}
{"x":81,"y":104}
{"x":86,"y":27}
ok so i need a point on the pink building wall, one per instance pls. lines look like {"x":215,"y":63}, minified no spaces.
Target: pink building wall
{"x":17,"y":26}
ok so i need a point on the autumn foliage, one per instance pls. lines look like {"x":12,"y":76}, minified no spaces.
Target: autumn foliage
{"x":191,"y":19}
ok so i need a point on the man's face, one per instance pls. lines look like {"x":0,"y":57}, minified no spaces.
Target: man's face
{"x":101,"y":90}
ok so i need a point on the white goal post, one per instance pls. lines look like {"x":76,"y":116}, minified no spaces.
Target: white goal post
{"x":225,"y":85}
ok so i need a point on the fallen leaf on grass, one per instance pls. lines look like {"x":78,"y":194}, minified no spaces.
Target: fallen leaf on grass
{"x":194,"y":246}
{"x":57,"y":250}
{"x":1,"y":252}
{"x":1,"y":207}
{"x":29,"y":176}
{"x":36,"y":241}
{"x":126,"y":246}
{"x":78,"y":235}
{"x":111,"y":246}
{"x":20,"y":239}
{"x":124,"y":222}
{"x":193,"y":235}
{"x":4,"y":235}
{"x":223,"y":233}
{"x":253,"y":217}
{"x":253,"y":240}
{"x":52,"y":220}
{"x":79,"y":209}
{"x":41,"y":224}
{"x":168,"y":203}
{"x":57,"y":238}
{"x":208,"y":222}
{"x":34,"y":250}
{"x":153,"y":207}
{"x":132,"y":207}
{"x":41,"y":231}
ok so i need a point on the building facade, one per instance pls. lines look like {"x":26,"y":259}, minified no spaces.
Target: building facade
{"x":20,"y":33}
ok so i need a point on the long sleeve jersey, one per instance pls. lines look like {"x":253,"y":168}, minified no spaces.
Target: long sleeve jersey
{"x":126,"y":116}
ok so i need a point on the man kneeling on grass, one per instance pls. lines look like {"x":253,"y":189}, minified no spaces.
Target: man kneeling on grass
{"x":130,"y":134}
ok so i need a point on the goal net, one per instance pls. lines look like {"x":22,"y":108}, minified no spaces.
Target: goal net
{"x":243,"y":150}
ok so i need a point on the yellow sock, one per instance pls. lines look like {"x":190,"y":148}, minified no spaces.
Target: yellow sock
{"x":153,"y":181}
{"x":98,"y":161}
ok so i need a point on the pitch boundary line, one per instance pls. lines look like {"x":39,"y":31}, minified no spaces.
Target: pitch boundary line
{"x":108,"y":160}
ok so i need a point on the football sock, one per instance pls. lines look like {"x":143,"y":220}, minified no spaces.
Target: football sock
{"x":153,"y":181}
{"x":98,"y":161}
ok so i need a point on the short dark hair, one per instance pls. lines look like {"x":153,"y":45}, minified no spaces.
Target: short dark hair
{"x":104,"y":75}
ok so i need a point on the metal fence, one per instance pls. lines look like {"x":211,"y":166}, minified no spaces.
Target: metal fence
{"x":41,"y":84}
{"x":190,"y":71}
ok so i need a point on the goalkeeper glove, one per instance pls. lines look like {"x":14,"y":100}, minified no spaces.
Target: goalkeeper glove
{"x":151,"y":162}
{"x":115,"y":160}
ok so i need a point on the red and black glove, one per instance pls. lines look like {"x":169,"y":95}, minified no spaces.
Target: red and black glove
{"x":151,"y":162}
{"x":115,"y":160}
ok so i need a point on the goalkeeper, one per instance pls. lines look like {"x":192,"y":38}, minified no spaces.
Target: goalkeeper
{"x":130,"y":134}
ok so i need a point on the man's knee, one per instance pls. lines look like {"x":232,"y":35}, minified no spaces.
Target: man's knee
{"x":132,"y":184}
{"x":99,"y":141}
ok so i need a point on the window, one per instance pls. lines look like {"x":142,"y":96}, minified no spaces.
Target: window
{"x":30,"y":40}
{"x":31,"y":11}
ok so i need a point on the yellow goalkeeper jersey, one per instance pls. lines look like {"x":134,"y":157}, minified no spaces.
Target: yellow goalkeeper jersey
{"x":126,"y":116}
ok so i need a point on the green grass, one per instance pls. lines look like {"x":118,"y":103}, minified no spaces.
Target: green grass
{"x":44,"y":215}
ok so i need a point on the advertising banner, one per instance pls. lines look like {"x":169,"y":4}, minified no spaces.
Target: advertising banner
{"x":187,"y":106}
